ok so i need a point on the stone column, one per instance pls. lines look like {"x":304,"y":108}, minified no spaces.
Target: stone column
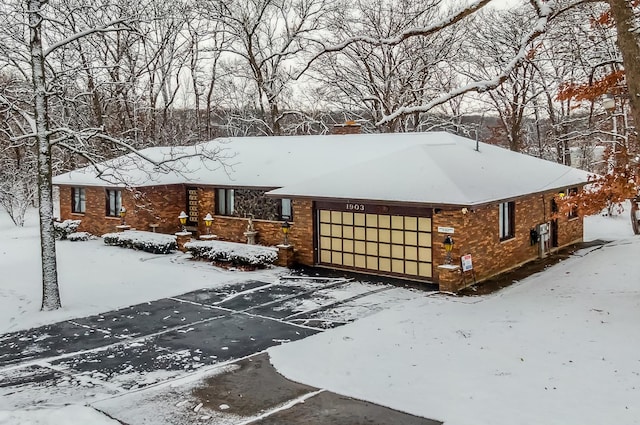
{"x":285,"y":256}
{"x":183,"y":238}
{"x":449,"y":278}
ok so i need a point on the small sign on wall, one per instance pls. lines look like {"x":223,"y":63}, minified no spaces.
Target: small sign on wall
{"x":467,"y":263}
{"x":445,"y":229}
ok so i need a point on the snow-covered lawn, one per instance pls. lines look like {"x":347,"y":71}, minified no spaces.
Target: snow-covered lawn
{"x":560,"y":347}
{"x":94,"y":278}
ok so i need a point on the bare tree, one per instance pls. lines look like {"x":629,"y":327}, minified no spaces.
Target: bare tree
{"x":267,"y":37}
{"x":377,"y":80}
{"x":54,"y":112}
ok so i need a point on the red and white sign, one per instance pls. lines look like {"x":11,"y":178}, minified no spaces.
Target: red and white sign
{"x":467,"y":264}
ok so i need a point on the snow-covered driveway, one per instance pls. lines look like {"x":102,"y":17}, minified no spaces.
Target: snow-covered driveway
{"x":131,"y":348}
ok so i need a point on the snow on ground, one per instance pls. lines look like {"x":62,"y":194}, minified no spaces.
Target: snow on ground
{"x":68,"y":415}
{"x":559,"y":347}
{"x":94,"y":278}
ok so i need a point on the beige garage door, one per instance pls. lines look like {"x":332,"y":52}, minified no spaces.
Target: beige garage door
{"x":381,"y":243}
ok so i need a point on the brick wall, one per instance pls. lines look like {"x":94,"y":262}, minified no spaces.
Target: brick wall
{"x":159,"y":204}
{"x":476,"y":233}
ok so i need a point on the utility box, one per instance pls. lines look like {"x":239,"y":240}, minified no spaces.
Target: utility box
{"x":543,"y":246}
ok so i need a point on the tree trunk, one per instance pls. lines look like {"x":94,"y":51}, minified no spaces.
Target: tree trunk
{"x":50,"y":291}
{"x":622,"y":13}
{"x":635,"y":220}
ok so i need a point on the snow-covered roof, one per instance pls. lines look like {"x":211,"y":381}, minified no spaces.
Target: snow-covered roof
{"x":433,"y":168}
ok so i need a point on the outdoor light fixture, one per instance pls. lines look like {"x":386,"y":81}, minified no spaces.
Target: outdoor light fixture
{"x":285,"y":231}
{"x":183,"y":220}
{"x":448,"y":247}
{"x":123,"y":213}
{"x":208,"y":220}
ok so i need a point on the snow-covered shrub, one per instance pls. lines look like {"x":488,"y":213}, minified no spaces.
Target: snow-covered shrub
{"x":62,"y":230}
{"x":156,"y":243}
{"x":234,"y":253}
{"x":80,"y":236}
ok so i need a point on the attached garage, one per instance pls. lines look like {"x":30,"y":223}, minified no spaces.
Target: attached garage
{"x":375,"y":238}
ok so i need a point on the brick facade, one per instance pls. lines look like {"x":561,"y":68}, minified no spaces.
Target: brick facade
{"x":476,"y":231}
{"x":161,"y":205}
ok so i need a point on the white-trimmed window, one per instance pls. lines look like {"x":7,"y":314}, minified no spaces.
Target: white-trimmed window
{"x":113,"y":202}
{"x":78,"y":200}
{"x":225,"y":201}
{"x":507,"y":220}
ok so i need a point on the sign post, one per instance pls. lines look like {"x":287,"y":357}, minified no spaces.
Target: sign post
{"x":467,"y":266}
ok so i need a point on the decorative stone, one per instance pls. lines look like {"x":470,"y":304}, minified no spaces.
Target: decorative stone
{"x":123,"y":227}
{"x":208,"y":237}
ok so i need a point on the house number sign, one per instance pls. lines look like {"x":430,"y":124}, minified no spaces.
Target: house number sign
{"x":354,"y":207}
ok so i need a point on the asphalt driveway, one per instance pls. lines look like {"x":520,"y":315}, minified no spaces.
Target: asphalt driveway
{"x":109,"y":355}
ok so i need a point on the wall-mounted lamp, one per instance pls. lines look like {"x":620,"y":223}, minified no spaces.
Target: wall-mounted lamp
{"x":448,"y":247}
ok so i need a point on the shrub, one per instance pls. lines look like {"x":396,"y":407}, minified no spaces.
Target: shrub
{"x":80,"y":236}
{"x":62,"y":230}
{"x":234,"y":253}
{"x":155,"y":243}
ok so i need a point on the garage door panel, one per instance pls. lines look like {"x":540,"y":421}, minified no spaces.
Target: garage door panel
{"x":424,"y":224}
{"x":347,"y":232}
{"x":382,"y":243}
{"x":384,"y":221}
{"x":411,"y":238}
{"x":397,"y":222}
{"x":424,"y":239}
{"x":347,"y":260}
{"x":411,"y":267}
{"x":336,"y":217}
{"x":411,"y":223}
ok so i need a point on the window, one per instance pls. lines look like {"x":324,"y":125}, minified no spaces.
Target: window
{"x":573,"y":213}
{"x":78,"y":200}
{"x":507,"y":220}
{"x":224,"y":202}
{"x":286,"y":212}
{"x":113,"y":203}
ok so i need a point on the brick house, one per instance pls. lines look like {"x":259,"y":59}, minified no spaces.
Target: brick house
{"x":378,"y":203}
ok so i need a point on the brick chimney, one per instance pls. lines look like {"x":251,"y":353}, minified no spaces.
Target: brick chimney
{"x":349,"y":127}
